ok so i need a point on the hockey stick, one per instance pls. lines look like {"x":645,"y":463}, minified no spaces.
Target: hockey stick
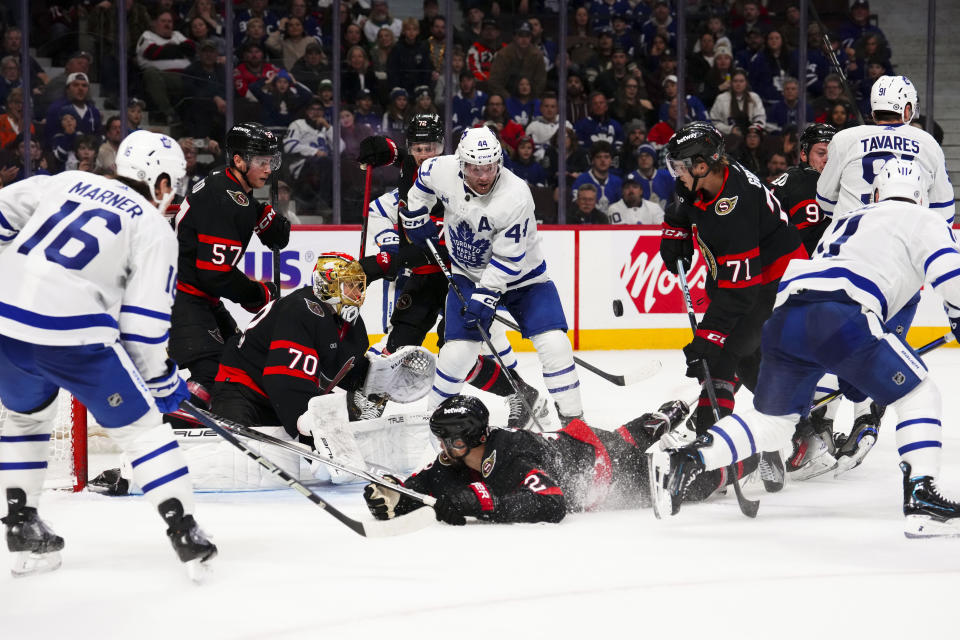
{"x":367,"y":474}
{"x":344,"y":370}
{"x":835,"y":63}
{"x":366,"y":205}
{"x":649,"y":370}
{"x":413,"y":521}
{"x":749,"y":508}
{"x":484,"y":334}
{"x":927,"y":348}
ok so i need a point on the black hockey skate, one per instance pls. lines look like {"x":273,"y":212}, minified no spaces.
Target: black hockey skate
{"x":772,"y":471}
{"x":110,"y":483}
{"x":518,"y":417}
{"x":35,"y":547}
{"x":928,"y":513}
{"x":361,"y":407}
{"x":813,"y":448}
{"x":852,"y":449}
{"x":670,"y":475}
{"x":565,"y":420}
{"x":191,"y":544}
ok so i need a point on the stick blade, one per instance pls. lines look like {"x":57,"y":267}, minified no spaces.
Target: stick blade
{"x":414,"y":521}
{"x":645,"y":372}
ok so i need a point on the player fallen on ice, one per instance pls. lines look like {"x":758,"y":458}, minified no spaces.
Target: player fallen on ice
{"x":89,"y":312}
{"x":424,"y":292}
{"x":490,"y":229}
{"x":830,"y":317}
{"x":506,"y":475}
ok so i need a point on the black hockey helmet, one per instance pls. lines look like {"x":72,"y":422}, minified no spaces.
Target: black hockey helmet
{"x":816,"y":133}
{"x":424,"y":127}
{"x":249,"y":139}
{"x":694,"y":142}
{"x":461,"y":421}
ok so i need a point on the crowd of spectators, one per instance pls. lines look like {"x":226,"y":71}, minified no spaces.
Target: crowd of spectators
{"x":742,"y":72}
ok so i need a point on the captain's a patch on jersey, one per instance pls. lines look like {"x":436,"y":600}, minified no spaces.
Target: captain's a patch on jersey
{"x":726,"y":205}
{"x":239,"y":197}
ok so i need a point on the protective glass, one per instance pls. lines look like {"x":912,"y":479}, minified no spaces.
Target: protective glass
{"x":262,"y":162}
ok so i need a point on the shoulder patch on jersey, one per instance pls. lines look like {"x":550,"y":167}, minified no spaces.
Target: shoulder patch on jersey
{"x":239,"y":197}
{"x":726,"y":205}
{"x":404,"y":301}
{"x":468,"y":251}
{"x":315,"y":308}
{"x":198,"y":186}
{"x":487,"y":467}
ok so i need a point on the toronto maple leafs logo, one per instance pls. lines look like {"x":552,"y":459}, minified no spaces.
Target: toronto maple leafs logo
{"x":469,"y":251}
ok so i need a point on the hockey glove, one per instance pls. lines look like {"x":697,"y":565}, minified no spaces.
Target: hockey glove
{"x":675,"y":244}
{"x":476,"y":500}
{"x":480,"y":309}
{"x":273,"y":229}
{"x":169,"y":390}
{"x":420,"y":227}
{"x":378,"y":151}
{"x":385,"y":503}
{"x":269,"y":291}
{"x":707,"y":345}
{"x":382,"y":265}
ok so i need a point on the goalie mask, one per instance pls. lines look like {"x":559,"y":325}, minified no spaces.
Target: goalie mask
{"x":339,"y":280}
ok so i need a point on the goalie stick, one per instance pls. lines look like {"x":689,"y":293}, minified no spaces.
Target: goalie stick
{"x":749,"y":508}
{"x":648,"y":370}
{"x":413,"y":521}
{"x":927,"y":348}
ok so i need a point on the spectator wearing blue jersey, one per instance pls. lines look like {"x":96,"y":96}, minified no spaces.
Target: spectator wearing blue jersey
{"x":603,"y":11}
{"x":785,"y":112}
{"x":769,"y":68}
{"x":85,"y":113}
{"x":525,"y":166}
{"x":858,"y":25}
{"x":753,"y":46}
{"x":599,"y":126}
{"x":660,"y":22}
{"x":255,"y":9}
{"x":657,"y":184}
{"x":622,"y":36}
{"x":608,"y":184}
{"x":522,"y":106}
{"x":546,"y":46}
{"x":695,"y":108}
{"x":468,"y":103}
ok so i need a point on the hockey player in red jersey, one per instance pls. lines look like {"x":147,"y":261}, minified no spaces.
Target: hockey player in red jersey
{"x":214,"y":226}
{"x":506,"y":475}
{"x":747,"y":244}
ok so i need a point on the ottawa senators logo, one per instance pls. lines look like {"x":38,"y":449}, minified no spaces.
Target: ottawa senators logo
{"x":487,"y":467}
{"x":726,"y":205}
{"x":239,"y":197}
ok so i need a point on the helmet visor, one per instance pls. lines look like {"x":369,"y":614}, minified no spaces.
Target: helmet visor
{"x":679,"y":166}
{"x":262,"y":162}
{"x":480,"y":171}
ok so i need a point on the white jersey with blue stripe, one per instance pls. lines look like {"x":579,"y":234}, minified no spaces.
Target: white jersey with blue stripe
{"x":492,"y":239}
{"x":382,"y":218}
{"x":880,"y":256}
{"x":856,"y":155}
{"x":86,"y":260}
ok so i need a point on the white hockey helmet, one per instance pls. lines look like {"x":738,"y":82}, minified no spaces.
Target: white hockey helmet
{"x":144,"y":156}
{"x":900,"y":179}
{"x":480,"y":147}
{"x":894,"y":93}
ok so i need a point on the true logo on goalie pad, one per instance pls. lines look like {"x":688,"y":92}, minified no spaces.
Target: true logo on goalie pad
{"x":239,"y":197}
{"x":487,"y":467}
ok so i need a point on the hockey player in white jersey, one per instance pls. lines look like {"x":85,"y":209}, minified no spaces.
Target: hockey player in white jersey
{"x":85,"y":304}
{"x":857,"y":154}
{"x":491,"y":236}
{"x":830,"y":317}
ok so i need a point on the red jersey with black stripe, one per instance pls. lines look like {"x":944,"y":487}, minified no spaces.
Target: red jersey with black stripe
{"x":291,"y":350}
{"x":748,"y":237}
{"x":797,"y":192}
{"x":539,"y":477}
{"x":214,"y":225}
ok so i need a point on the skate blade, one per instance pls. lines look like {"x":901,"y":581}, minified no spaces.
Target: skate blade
{"x":813,"y":468}
{"x":920,"y":526}
{"x":28,"y":563}
{"x":659,"y":497}
{"x":846,"y":463}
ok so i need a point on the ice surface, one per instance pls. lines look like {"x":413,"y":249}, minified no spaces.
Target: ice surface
{"x":824,"y":559}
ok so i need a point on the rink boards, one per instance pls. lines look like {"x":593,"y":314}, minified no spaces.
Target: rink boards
{"x":599,"y":271}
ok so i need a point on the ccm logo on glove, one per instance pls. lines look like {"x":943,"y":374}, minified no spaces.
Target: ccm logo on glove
{"x":712,"y":336}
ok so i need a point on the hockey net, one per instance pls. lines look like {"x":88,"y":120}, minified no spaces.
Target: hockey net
{"x":72,"y":440}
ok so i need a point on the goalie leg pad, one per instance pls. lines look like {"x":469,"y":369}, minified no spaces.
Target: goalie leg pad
{"x":457,"y":359}
{"x":918,"y":430}
{"x":559,"y":371}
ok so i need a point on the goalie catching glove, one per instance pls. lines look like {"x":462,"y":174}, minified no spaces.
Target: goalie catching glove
{"x":403,"y":376}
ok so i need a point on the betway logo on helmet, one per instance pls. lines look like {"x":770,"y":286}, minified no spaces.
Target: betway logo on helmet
{"x":689,"y":136}
{"x":652,"y":288}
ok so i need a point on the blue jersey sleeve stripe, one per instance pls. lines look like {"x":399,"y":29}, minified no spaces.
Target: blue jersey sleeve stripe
{"x":518,"y":258}
{"x":380,"y":207}
{"x":541,"y":268}
{"x":133,"y":337}
{"x":825,"y":199}
{"x":504,"y":268}
{"x":947,"y":276}
{"x":940,"y":205}
{"x":937,"y":254}
{"x":6,"y":223}
{"x":423,"y":188}
{"x":142,"y":311}
{"x":56,"y":323}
